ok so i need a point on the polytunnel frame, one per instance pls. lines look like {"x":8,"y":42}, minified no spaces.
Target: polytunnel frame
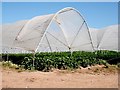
{"x":67,"y":8}
{"x":60,"y":11}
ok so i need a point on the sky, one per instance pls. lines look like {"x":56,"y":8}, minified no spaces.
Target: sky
{"x":97,"y":14}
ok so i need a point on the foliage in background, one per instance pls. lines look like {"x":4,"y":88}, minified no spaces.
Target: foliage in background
{"x":63,"y":60}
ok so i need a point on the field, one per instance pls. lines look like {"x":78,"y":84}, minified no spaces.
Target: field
{"x":61,"y":60}
{"x":61,"y":70}
{"x":94,"y":77}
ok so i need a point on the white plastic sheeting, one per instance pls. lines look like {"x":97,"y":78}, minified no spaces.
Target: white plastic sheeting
{"x":0,"y":39}
{"x":32,"y":32}
{"x":93,"y":33}
{"x":108,"y":38}
{"x":64,"y":31}
{"x":9,"y":32}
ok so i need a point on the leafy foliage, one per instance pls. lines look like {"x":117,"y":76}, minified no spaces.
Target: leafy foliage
{"x":8,"y":64}
{"x":63,"y":60}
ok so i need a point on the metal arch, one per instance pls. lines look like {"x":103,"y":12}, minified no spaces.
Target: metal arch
{"x":87,"y":28}
{"x":50,"y":24}
{"x":62,"y":11}
{"x":90,"y":37}
{"x":54,"y":15}
{"x":70,"y":8}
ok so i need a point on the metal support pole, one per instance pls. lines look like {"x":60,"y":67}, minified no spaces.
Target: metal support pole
{"x":34,"y":61}
{"x":70,"y":50}
{"x":71,"y":53}
{"x":7,"y":55}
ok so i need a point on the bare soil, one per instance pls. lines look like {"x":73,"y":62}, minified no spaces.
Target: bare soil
{"x":91,"y":77}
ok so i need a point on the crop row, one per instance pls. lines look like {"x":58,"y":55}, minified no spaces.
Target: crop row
{"x":62,"y":60}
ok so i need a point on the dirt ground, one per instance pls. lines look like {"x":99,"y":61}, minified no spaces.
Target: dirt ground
{"x":94,"y":77}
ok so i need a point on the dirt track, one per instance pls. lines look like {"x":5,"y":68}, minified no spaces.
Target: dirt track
{"x":58,"y":79}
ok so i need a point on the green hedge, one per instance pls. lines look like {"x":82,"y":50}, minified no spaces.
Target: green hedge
{"x":63,"y":60}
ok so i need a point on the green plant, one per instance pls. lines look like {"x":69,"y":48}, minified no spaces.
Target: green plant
{"x":9,"y":64}
{"x":45,"y":61}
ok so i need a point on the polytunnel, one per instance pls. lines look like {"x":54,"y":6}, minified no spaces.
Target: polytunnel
{"x":108,"y":38}
{"x":65,"y":30}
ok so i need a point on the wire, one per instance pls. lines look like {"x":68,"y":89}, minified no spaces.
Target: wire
{"x":77,"y":33}
{"x":48,"y":43}
{"x":57,"y":39}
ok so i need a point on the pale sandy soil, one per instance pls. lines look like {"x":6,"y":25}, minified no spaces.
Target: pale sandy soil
{"x":81,"y":78}
{"x":0,"y":78}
